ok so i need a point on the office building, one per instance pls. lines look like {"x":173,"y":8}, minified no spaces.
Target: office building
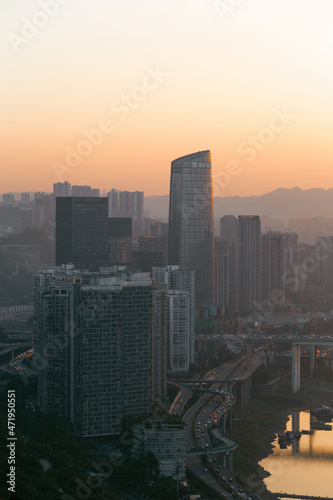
{"x":272,"y":269}
{"x":249,"y":263}
{"x":82,"y":232}
{"x":225,"y":274}
{"x":154,"y":244}
{"x":191,"y":222}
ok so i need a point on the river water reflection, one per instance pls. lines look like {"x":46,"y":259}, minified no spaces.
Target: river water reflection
{"x":305,"y":466}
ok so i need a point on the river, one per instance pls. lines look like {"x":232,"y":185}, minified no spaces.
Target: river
{"x":305,"y":467}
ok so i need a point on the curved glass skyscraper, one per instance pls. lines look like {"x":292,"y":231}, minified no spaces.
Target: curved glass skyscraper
{"x":191,"y":221}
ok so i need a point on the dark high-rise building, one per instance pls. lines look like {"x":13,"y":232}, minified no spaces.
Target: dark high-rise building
{"x":225,"y":274}
{"x":272,"y":269}
{"x":145,"y":261}
{"x":249,"y":263}
{"x":191,"y":222}
{"x":324,"y":259}
{"x":154,"y":244}
{"x":82,"y":232}
{"x":93,"y":347}
{"x":120,"y":241}
{"x":160,"y":339}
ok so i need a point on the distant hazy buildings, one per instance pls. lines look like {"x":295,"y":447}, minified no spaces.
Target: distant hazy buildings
{"x":8,"y":198}
{"x":66,"y":189}
{"x":82,"y":232}
{"x":120,"y":241}
{"x":62,"y":189}
{"x":93,"y":347}
{"x":25,"y":197}
{"x":249,"y":263}
{"x":229,"y":229}
{"x":86,"y":191}
{"x":128,"y":204}
{"x":154,"y":227}
{"x":191,"y":221}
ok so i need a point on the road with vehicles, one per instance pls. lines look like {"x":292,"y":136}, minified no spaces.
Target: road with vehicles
{"x":204,"y":460}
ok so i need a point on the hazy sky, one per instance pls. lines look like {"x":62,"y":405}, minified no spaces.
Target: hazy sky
{"x":161,"y":79}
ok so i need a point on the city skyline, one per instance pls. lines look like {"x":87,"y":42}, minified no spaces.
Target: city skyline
{"x":264,"y":98}
{"x":166,"y":249}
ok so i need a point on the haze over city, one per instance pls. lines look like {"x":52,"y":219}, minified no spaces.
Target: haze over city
{"x":166,"y":250}
{"x":225,"y":72}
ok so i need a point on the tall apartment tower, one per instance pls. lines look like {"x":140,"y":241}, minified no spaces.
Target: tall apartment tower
{"x":62,"y":189}
{"x":178,"y":279}
{"x":113,"y":197}
{"x":82,"y":232}
{"x":225,"y":274}
{"x":191,"y":222}
{"x":160,"y":342}
{"x":290,"y":251}
{"x":178,"y":332}
{"x":249,"y":263}
{"x":272,"y":269}
{"x":93,"y":347}
{"x":53,"y":339}
{"x":229,"y":229}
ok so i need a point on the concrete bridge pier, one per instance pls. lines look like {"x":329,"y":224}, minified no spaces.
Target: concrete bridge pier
{"x":312,"y":359}
{"x":296,"y":368}
{"x":295,"y":429}
{"x":224,"y":424}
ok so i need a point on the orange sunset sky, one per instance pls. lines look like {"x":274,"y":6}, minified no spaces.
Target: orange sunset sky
{"x":225,"y":72}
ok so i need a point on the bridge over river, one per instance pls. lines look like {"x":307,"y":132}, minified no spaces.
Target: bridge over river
{"x":300,"y":497}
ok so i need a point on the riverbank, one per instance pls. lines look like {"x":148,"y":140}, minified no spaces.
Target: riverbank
{"x":266,"y":415}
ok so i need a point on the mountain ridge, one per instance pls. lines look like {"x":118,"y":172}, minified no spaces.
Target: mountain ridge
{"x":281,"y":203}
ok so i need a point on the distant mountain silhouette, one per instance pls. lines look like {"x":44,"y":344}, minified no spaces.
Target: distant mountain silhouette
{"x":281,"y":204}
